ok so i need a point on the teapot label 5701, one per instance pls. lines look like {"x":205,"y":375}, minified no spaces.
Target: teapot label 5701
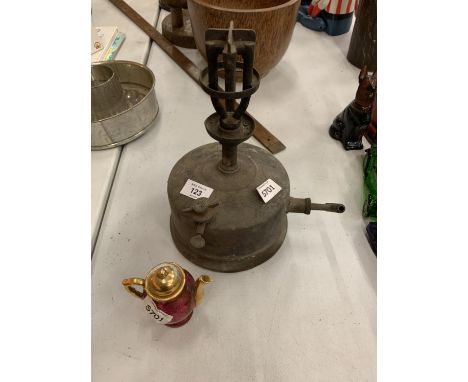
{"x":155,"y":313}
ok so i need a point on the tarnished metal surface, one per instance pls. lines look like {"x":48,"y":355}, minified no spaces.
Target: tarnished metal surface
{"x":233,"y":229}
{"x":243,"y":231}
{"x":261,"y":133}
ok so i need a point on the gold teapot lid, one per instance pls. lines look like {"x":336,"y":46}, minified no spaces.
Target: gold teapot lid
{"x":165,"y":281}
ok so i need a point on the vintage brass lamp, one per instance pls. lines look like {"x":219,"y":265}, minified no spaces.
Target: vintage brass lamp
{"x":229,"y":202}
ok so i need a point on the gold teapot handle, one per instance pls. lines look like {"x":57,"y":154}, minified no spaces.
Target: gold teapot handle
{"x":127,"y":283}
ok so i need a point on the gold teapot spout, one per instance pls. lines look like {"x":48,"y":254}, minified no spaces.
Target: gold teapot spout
{"x":199,"y":288}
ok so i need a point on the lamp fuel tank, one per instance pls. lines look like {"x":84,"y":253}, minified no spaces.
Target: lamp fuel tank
{"x":229,"y":200}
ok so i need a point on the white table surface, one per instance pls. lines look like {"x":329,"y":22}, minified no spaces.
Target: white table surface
{"x":135,"y":48}
{"x":308,"y":313}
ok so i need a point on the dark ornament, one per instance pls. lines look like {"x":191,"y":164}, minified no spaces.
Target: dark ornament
{"x":371,"y":234}
{"x":350,"y":125}
{"x":363,"y":45}
{"x":371,"y":132}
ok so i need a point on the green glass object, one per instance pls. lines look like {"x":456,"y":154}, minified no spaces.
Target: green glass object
{"x":370,"y":183}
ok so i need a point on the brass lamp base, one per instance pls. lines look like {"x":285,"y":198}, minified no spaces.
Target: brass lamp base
{"x":230,"y":264}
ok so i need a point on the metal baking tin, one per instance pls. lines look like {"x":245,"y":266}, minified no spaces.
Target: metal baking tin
{"x":135,"y":112}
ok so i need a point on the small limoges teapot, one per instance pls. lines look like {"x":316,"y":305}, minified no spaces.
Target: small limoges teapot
{"x":170,"y":292}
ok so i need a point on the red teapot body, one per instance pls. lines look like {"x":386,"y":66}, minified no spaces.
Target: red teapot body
{"x":170,"y":293}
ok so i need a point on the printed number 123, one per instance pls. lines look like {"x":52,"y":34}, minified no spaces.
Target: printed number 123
{"x":196,"y":192}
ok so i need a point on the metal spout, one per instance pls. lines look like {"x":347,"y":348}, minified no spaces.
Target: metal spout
{"x":304,"y":206}
{"x":200,"y":288}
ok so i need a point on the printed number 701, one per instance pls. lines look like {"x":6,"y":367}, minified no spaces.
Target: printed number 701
{"x":267,"y":190}
{"x":156,"y":316}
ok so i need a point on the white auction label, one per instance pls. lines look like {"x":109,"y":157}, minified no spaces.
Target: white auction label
{"x":195,"y":190}
{"x":153,"y":311}
{"x":268,"y":189}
